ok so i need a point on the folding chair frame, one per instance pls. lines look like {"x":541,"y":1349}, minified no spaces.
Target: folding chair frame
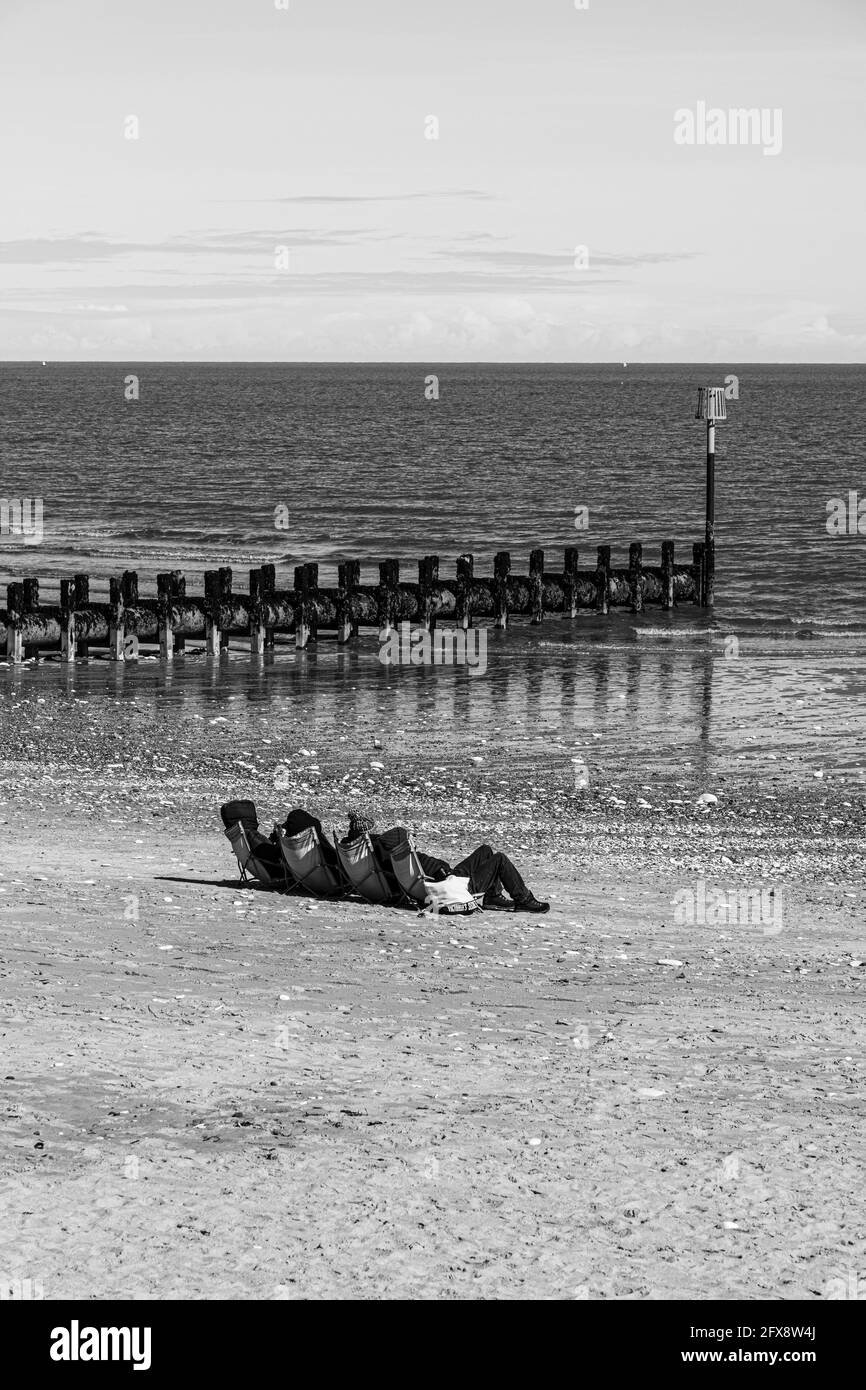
{"x":236,"y":834}
{"x":296,"y":880}
{"x":376,"y":873}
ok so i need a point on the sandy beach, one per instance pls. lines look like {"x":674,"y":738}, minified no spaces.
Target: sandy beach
{"x":215,"y":1092}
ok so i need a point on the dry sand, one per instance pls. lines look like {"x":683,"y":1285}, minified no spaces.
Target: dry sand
{"x":212,"y":1092}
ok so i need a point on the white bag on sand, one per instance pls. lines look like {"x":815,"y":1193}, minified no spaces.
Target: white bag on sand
{"x":450,"y":895}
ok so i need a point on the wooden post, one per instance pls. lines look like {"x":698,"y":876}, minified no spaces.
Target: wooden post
{"x":465,"y":570}
{"x":536,"y":585}
{"x":267,"y":589}
{"x":698,"y":554}
{"x":667,"y":574}
{"x":602,"y":580}
{"x":306,"y":583}
{"x":82,"y":599}
{"x":30,"y":604}
{"x":348,"y":578}
{"x":262,"y":584}
{"x":213,"y":588}
{"x":635,"y":576}
{"x":129,"y":597}
{"x":166,"y":632}
{"x":14,"y":635}
{"x":302,"y":633}
{"x":386,"y":597}
{"x":178,"y":590}
{"x":570,"y":575}
{"x":116,"y":630}
{"x":428,"y":580}
{"x":311,"y":580}
{"x":225,"y":597}
{"x":68,"y":636}
{"x":501,"y":571}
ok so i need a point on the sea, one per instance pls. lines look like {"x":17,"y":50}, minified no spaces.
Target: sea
{"x":155,"y":466}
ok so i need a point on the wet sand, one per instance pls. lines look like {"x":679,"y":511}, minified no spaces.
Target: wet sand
{"x":211,"y":1092}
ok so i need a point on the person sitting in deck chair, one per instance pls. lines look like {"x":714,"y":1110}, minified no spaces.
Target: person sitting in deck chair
{"x":298,"y":819}
{"x":264,"y":847}
{"x":488,"y":870}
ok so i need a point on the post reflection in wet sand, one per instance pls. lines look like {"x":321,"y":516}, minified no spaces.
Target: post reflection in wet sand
{"x":633,"y":701}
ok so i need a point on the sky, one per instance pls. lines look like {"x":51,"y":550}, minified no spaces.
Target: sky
{"x":457,"y":180}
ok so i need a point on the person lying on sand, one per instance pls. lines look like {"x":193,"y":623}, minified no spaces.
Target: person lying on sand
{"x":488,"y":870}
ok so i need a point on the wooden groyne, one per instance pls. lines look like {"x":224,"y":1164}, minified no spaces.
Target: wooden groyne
{"x":76,"y":624}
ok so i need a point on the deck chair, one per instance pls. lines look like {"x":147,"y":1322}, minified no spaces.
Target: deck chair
{"x":306,"y":866}
{"x":364,"y":872}
{"x":409,"y":874}
{"x":249,"y":865}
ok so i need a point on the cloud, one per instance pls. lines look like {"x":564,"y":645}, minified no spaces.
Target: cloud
{"x":280,"y":287}
{"x":469,"y":194}
{"x":89,"y":247}
{"x":560,"y":260}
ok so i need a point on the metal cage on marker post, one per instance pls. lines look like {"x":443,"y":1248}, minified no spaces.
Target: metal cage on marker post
{"x":711,"y":407}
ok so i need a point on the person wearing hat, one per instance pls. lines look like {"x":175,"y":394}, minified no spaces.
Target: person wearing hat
{"x":488,"y":870}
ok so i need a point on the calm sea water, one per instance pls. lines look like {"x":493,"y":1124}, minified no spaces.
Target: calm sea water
{"x":190,"y":475}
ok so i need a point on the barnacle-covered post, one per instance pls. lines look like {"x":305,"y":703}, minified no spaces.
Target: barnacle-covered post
{"x":14,"y":635}
{"x":428,"y":580}
{"x":348,"y":579}
{"x":635,"y":576}
{"x":570,"y":580}
{"x":602,"y":580}
{"x":667,"y":574}
{"x":501,"y":571}
{"x":386,"y":596}
{"x":166,"y":631}
{"x":116,"y":630}
{"x":82,"y":599}
{"x":536,"y":585}
{"x":465,"y":573}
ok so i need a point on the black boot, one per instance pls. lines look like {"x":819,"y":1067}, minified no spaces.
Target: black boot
{"x":531,"y":904}
{"x":497,"y":899}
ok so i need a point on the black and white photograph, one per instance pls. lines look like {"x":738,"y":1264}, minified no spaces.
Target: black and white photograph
{"x":433,"y":664}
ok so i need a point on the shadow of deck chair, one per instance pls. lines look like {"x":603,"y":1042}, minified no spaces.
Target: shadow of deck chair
{"x":249,"y":865}
{"x":365,"y":873}
{"x":306,"y":865}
